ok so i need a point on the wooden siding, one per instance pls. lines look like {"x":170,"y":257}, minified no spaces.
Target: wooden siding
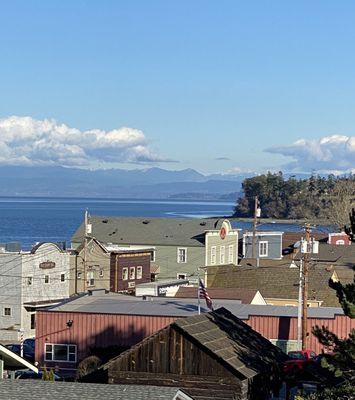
{"x":168,"y":358}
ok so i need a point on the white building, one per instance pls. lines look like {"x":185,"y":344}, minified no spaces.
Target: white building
{"x":29,"y":280}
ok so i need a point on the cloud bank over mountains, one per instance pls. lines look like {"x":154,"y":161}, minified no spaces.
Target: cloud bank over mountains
{"x":28,"y":141}
{"x":335,"y":153}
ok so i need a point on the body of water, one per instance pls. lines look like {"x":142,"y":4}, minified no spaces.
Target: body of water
{"x":31,"y":220}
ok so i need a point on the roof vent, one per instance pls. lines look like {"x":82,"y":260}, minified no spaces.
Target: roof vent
{"x":146,"y":222}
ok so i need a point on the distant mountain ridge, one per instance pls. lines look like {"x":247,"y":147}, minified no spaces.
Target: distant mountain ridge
{"x":137,"y":183}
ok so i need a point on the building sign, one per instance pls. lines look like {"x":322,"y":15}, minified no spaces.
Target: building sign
{"x":47,"y":265}
{"x":222,"y":232}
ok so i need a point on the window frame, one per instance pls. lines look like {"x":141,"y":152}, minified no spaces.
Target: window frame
{"x":140,"y":275}
{"x":4,"y":311}
{"x":45,"y":279}
{"x":231,"y":254}
{"x":222,"y":254}
{"x":101,"y":273}
{"x":130,"y":273}
{"x":266,"y":244}
{"x":52,"y":352}
{"x":90,"y":281}
{"x":213,"y":255}
{"x":29,"y":281}
{"x":125,"y":274}
{"x":62,"y":277}
{"x":181,"y":274}
{"x":179,"y":260}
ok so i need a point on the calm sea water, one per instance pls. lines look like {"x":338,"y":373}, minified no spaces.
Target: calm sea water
{"x":31,"y":220}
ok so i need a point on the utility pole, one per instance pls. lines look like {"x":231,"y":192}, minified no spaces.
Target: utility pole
{"x":255,"y":222}
{"x":307,"y":252}
{"x":299,"y":308}
{"x":85,"y":245}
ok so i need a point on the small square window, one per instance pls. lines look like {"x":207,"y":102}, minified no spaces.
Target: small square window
{"x":62,"y":277}
{"x":29,"y":280}
{"x":46,"y":278}
{"x":181,"y":276}
{"x":79,"y":275}
{"x":7,"y":311}
{"x":101,"y":274}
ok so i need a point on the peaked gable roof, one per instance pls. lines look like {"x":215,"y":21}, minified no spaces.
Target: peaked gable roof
{"x":232,"y":342}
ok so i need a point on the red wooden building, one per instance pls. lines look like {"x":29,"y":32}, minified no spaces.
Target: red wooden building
{"x":68,"y":333}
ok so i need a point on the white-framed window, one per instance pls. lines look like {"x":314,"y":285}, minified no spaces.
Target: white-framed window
{"x":132,"y":273}
{"x":139,"y":272}
{"x":90,"y":278}
{"x":60,"y":352}
{"x":181,"y":276}
{"x":46,"y":278}
{"x":101,"y":274}
{"x":213,"y":254}
{"x":340,"y":242}
{"x":62,"y":277}
{"x":222,"y":258}
{"x":124,"y":274}
{"x":263,"y":249}
{"x":181,"y":255}
{"x":7,"y":312}
{"x":230,"y":254}
{"x":78,"y":275}
{"x":29,"y":280}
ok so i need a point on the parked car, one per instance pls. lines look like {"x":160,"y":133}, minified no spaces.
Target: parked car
{"x":299,"y":359}
{"x":28,"y":351}
{"x":28,"y":374}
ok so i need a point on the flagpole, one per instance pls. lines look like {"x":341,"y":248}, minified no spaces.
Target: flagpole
{"x":198,"y":292}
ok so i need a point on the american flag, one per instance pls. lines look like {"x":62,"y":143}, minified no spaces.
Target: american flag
{"x":202,"y":293}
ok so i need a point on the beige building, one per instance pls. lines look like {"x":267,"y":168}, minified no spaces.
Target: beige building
{"x":221,"y":245}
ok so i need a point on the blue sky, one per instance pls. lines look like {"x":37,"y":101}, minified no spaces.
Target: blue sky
{"x":194,"y":80}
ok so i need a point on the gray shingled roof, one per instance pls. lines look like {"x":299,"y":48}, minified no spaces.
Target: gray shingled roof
{"x":232,"y":341}
{"x":113,"y":303}
{"x":149,"y":230}
{"x":42,"y":390}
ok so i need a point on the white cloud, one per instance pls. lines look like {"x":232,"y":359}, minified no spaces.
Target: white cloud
{"x":334,"y":153}
{"x":27,"y":141}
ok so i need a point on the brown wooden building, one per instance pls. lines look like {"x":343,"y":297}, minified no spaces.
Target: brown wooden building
{"x":128,"y":268}
{"x":213,"y":355}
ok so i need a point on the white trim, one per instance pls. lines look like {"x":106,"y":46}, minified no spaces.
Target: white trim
{"x":181,"y":273}
{"x":213,"y":262}
{"x":60,"y":344}
{"x":16,"y":357}
{"x":266,"y":243}
{"x":178,"y":259}
{"x":139,"y":268}
{"x":231,"y":253}
{"x":222,"y":262}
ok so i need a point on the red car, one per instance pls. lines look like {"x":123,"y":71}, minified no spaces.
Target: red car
{"x":299,"y":359}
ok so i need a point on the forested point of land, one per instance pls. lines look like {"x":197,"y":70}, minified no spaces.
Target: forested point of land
{"x":325,"y":198}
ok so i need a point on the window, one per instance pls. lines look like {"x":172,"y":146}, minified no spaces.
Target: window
{"x":33,"y":321}
{"x":181,"y":276}
{"x":213,"y":255}
{"x":60,"y":352}
{"x":29,"y":281}
{"x":124,"y":274}
{"x":79,"y":275}
{"x":7,"y":311}
{"x":101,"y":274}
{"x":230,"y":254}
{"x":90,"y":278}
{"x":62,"y":277}
{"x":340,"y":242}
{"x":181,"y":255}
{"x":263,"y":249}
{"x":139,"y":272}
{"x":222,"y":255}
{"x":152,"y":256}
{"x":132,"y":273}
{"x":46,"y":278}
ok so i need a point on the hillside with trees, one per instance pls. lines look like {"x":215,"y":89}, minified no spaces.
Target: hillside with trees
{"x":327,"y":198}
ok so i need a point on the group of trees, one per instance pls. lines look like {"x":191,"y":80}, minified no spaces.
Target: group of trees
{"x":318,"y":197}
